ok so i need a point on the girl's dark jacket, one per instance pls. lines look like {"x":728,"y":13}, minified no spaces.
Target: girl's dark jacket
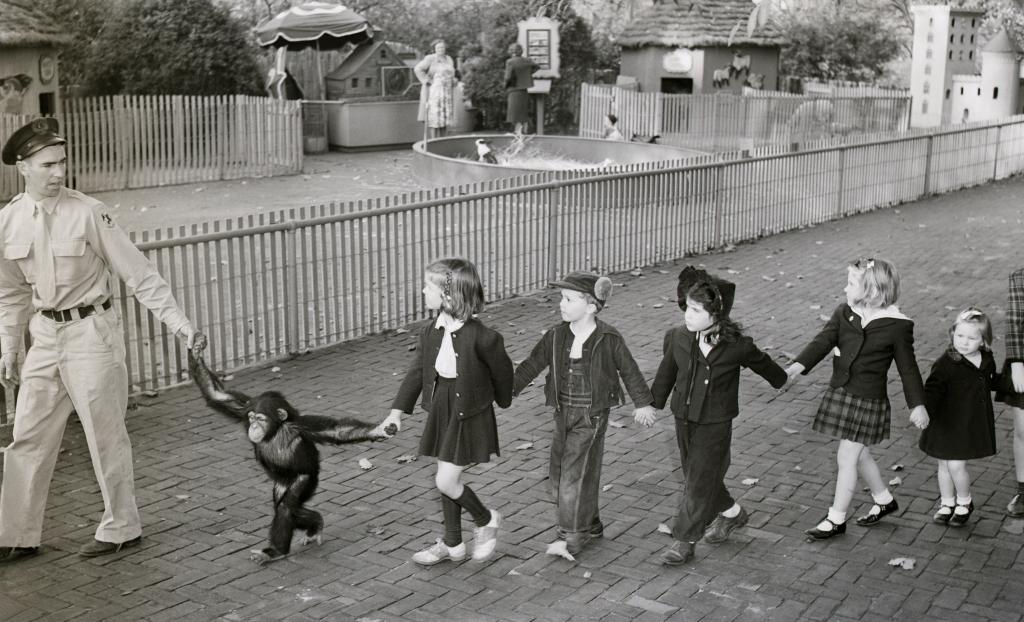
{"x":862,"y":364}
{"x":958,"y":397}
{"x":610,"y":360}
{"x":713,"y":383}
{"x":483,"y":370}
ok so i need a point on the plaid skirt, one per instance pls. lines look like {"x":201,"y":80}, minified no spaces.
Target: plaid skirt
{"x":460,"y":441}
{"x":848,"y":417}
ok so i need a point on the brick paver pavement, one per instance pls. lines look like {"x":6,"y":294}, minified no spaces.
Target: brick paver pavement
{"x":205,"y":503}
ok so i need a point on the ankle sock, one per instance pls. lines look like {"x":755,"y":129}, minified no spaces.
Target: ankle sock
{"x":836,"y":516}
{"x":472,"y":504}
{"x":452,"y":521}
{"x":883,"y":498}
{"x":961,"y":505}
{"x":732,"y":512}
{"x":947,"y":501}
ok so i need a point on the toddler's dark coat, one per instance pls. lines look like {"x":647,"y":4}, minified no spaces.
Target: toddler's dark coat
{"x":959,"y":402}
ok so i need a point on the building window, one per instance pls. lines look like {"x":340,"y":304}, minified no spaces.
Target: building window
{"x":970,"y":55}
{"x":972,"y":23}
{"x":961,"y":90}
{"x":953,"y":23}
{"x":383,"y":53}
{"x":930,"y":38}
{"x":928,"y":53}
{"x":951,"y":55}
{"x":951,"y":38}
{"x":926,"y":87}
{"x":972,"y":38}
{"x":927,"y":70}
{"x":368,"y":82}
{"x":947,"y":93}
{"x":979,"y":91}
{"x":924,"y":107}
{"x":995,"y":93}
{"x":931,"y":20}
{"x":355,"y":83}
{"x":961,"y":38}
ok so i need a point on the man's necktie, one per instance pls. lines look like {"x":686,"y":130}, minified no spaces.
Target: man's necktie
{"x":46,"y":282}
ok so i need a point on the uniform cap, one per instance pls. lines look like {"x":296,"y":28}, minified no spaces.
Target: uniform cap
{"x":600,"y":287}
{"x":28,"y":139}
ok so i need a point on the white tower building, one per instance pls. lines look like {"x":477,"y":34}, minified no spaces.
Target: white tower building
{"x":945,"y":38}
{"x":1000,"y":78}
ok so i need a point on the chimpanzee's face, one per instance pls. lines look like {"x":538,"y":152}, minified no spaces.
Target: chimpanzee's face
{"x":259,"y":425}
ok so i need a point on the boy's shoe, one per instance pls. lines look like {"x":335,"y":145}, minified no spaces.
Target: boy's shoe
{"x":678,"y":554}
{"x":440,"y":552}
{"x":1015,"y":507}
{"x":959,"y":520}
{"x":873,"y":517}
{"x":720,"y":528}
{"x":942,"y":516}
{"x":11,"y":554}
{"x":97,"y":548}
{"x":485,"y":539}
{"x":837,"y":529}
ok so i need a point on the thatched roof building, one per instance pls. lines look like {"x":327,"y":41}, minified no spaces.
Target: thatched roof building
{"x":22,"y":24}
{"x":699,"y":46}
{"x":692,"y":24}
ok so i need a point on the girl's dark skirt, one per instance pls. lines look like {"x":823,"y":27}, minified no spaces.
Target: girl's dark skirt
{"x":1005,"y":393}
{"x":518,"y":109}
{"x":460,"y":441}
{"x":849,"y":417}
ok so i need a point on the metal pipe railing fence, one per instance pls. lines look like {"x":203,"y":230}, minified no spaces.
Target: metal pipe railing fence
{"x":270,"y":285}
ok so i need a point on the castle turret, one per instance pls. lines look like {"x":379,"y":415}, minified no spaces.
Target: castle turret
{"x":1000,"y":78}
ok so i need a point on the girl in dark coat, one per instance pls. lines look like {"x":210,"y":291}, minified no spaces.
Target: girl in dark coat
{"x":958,"y":398}
{"x":460,"y":367}
{"x":865,"y":335}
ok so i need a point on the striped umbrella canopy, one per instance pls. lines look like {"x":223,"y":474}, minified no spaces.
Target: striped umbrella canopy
{"x":314,"y":24}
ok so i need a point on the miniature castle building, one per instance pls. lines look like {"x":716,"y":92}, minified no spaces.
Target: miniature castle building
{"x":1000,"y":79}
{"x":945,"y":39}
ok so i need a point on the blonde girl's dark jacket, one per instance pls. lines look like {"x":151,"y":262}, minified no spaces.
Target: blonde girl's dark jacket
{"x":706,"y":389}
{"x":483,"y":370}
{"x":610,"y":360}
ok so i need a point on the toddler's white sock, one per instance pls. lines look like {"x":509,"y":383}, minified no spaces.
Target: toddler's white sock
{"x":961,"y":504}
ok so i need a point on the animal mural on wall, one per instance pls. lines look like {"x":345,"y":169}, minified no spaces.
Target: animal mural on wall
{"x":740,"y":64}
{"x":12,"y":91}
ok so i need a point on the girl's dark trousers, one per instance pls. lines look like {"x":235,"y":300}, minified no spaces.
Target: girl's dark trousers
{"x":704,"y":452}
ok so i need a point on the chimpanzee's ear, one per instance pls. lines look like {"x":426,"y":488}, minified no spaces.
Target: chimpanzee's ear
{"x":282,"y":414}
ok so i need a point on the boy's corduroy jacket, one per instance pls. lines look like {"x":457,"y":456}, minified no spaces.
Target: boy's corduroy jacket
{"x":713,"y":384}
{"x":610,"y":360}
{"x":484,"y":370}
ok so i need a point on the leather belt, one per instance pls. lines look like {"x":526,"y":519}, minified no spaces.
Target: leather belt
{"x":76,"y":313}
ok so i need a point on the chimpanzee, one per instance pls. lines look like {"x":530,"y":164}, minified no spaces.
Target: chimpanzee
{"x":285,"y":444}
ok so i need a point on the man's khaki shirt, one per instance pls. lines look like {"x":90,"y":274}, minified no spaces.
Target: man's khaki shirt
{"x":88,"y":248}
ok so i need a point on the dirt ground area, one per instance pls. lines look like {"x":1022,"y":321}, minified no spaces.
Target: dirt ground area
{"x":327,"y":177}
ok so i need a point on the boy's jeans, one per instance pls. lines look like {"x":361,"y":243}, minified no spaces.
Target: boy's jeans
{"x":704,"y":450}
{"x":575,"y":471}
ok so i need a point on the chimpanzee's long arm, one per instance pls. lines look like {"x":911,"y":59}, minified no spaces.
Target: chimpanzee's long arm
{"x":228,"y":401}
{"x":340,"y":430}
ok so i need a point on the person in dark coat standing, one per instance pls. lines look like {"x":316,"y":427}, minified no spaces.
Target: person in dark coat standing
{"x":958,"y":397}
{"x":701,"y":369}
{"x":518,"y":78}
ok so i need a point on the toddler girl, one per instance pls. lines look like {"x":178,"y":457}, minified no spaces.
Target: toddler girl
{"x":963,"y":424}
{"x":460,"y":367}
{"x":865,"y":334}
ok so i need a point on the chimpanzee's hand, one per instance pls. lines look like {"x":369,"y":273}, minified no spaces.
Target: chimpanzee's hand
{"x":10,"y":372}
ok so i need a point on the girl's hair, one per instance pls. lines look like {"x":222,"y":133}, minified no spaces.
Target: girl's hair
{"x":707,"y":295}
{"x":515,"y":49}
{"x":463,"y":293}
{"x":433,"y":44}
{"x":878,"y":280}
{"x":975,"y":317}
{"x":614,"y":119}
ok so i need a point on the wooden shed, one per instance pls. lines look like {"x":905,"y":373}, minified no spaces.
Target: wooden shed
{"x":373,"y":69}
{"x":684,"y":47}
{"x":29,"y":73}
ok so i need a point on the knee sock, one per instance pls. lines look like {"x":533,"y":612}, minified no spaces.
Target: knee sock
{"x":452,"y":521}
{"x":471,"y":503}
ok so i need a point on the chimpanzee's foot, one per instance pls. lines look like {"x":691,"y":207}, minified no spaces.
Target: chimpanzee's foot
{"x":266,"y":555}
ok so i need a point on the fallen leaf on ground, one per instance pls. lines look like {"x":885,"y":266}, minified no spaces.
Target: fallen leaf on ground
{"x":663,"y":528}
{"x":896,"y":481}
{"x":896,"y":467}
{"x":365,"y":464}
{"x":731,"y":271}
{"x":606,"y":487}
{"x":181,"y":497}
{"x":525,"y":446}
{"x":150,"y":393}
{"x":815,"y":307}
{"x":636,"y":272}
{"x":789,"y":430}
{"x":616,"y":424}
{"x":405,"y":458}
{"x":906,"y":563}
{"x":558,"y":548}
{"x":377,"y":530}
{"x":770,"y":279}
{"x":401,"y":331}
{"x":824,"y":318}
{"x":750,"y":481}
{"x":275,"y":369}
{"x":658,"y":305}
{"x":587,"y":574}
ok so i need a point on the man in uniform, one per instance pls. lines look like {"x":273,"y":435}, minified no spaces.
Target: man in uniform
{"x":58,"y":252}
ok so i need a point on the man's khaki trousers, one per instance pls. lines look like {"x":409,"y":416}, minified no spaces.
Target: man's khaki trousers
{"x":77,"y":365}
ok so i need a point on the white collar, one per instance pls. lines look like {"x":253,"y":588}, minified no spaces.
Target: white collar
{"x":448,"y":323}
{"x":868,"y":315}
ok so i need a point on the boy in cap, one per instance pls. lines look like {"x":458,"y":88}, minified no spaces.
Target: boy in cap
{"x":60,"y":251}
{"x":585,"y":358}
{"x":701,"y":368}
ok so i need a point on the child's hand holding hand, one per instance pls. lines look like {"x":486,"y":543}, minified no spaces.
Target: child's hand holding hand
{"x":1017,"y":376}
{"x":644,"y":416}
{"x":919,"y":417}
{"x":394,"y":418}
{"x":794,"y":370}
